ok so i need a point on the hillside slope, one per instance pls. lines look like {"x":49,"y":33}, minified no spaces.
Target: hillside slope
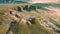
{"x":40,"y":21}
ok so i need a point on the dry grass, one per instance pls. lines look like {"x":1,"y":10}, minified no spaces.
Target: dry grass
{"x":20,"y":27}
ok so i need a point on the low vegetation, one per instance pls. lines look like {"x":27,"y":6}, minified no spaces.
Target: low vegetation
{"x":14,"y":21}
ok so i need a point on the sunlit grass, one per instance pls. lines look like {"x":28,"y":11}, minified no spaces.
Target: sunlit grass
{"x":20,"y":27}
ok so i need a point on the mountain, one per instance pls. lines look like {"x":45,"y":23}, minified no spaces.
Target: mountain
{"x":12,"y":1}
{"x":44,"y":1}
{"x":28,"y":1}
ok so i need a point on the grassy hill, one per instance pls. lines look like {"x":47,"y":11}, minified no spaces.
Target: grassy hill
{"x":33,"y":22}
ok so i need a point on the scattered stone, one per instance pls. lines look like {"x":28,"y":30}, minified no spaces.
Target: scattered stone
{"x":32,"y":20}
{"x":19,"y":9}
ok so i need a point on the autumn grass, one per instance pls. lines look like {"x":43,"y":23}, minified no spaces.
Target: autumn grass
{"x":21,"y":28}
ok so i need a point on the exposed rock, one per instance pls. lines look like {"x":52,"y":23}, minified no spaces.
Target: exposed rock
{"x":32,"y":20}
{"x":19,"y":9}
